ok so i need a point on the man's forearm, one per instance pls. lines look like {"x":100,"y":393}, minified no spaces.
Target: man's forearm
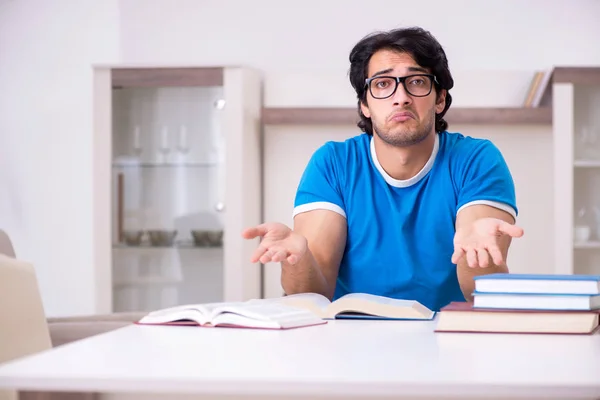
{"x":305,"y":276}
{"x":481,"y":228}
{"x":466,"y":274}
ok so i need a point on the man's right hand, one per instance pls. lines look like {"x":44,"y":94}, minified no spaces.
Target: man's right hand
{"x":279,"y":243}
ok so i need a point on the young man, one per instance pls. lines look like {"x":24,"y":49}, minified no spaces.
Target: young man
{"x":406,"y":209}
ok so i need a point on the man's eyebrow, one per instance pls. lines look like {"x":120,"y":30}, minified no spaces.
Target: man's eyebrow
{"x":384,"y":71}
{"x":411,"y":69}
{"x":417,"y":69}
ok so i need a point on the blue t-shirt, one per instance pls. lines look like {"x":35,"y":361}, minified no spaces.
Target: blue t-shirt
{"x":400,"y":232}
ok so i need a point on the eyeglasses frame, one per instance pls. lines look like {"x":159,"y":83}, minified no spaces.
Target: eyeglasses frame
{"x":398,"y":80}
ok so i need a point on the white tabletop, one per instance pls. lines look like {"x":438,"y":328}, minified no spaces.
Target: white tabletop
{"x":343,"y":358}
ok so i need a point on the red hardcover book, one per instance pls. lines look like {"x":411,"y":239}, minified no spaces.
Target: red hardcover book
{"x":462,"y":317}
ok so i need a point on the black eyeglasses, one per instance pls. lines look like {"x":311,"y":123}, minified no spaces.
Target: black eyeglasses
{"x":382,"y":87}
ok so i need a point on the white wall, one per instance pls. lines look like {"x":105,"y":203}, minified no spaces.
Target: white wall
{"x":286,"y":36}
{"x":46,"y":49}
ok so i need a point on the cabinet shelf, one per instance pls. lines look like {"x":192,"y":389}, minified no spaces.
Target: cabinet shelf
{"x":179,"y":245}
{"x":587,"y":245}
{"x":148,"y":281}
{"x":458,"y":115}
{"x":166,"y":165}
{"x":587,"y":163}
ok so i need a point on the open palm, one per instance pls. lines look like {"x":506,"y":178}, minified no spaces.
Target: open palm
{"x":279,"y":243}
{"x":482,"y":241}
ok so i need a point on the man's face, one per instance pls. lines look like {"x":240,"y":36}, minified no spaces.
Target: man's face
{"x":402,"y":119}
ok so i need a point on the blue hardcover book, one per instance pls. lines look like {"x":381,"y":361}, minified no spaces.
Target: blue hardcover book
{"x":537,"y":301}
{"x":538,"y":283}
{"x":367,"y":316}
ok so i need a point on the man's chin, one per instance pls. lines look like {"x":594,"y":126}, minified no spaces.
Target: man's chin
{"x":403,"y":138}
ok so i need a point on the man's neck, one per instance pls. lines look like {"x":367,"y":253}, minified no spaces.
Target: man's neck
{"x":404,"y":162}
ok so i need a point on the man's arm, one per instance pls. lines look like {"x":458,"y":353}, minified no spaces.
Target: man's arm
{"x":473,"y":224}
{"x":325,"y":232}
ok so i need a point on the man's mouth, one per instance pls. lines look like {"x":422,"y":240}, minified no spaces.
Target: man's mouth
{"x":401,"y":116}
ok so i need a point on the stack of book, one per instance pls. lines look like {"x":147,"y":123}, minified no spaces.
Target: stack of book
{"x":527,"y":303}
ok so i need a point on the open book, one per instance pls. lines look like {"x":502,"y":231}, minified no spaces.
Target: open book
{"x":359,"y":306}
{"x":250,"y":314}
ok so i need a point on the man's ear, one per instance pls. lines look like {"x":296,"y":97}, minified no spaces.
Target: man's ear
{"x":440,"y":101}
{"x":365,"y":109}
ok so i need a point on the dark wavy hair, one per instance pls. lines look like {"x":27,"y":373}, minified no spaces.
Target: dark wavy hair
{"x":417,"y":42}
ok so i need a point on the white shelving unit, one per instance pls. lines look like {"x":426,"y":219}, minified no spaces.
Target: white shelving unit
{"x":586,"y":163}
{"x":175,"y":149}
{"x":576,"y":130}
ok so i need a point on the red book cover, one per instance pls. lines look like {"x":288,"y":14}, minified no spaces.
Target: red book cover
{"x":505,"y":325}
{"x":468,"y":306}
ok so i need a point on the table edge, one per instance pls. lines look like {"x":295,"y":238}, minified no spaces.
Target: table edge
{"x":283,"y":388}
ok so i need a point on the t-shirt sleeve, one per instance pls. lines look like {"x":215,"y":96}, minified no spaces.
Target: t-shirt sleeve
{"x":319,"y":186}
{"x":486,"y":179}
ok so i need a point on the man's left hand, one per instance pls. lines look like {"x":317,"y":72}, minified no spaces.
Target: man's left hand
{"x":480,"y":241}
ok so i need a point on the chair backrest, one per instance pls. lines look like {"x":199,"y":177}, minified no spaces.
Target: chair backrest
{"x":7,"y":249}
{"x":23,"y":326}
{"x":6,"y":246}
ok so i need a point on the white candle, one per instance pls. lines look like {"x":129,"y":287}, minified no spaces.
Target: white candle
{"x":183,"y":139}
{"x":165,"y":138}
{"x":136,"y":138}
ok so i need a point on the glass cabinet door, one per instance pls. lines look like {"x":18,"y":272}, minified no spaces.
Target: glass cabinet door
{"x":168,"y":231}
{"x":576,"y":178}
{"x":184,"y":151}
{"x":586,"y":178}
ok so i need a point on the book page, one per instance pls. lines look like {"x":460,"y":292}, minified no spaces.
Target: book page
{"x":377,"y":299}
{"x":263,"y":314}
{"x":378,"y":306}
{"x":259,"y":310}
{"x":175,"y":314}
{"x":199,"y":308}
{"x":272,"y":315}
{"x":200,"y":313}
{"x":212,"y":308}
{"x":313,"y":302}
{"x":237,"y":320}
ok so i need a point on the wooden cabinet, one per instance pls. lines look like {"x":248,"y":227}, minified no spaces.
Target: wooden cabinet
{"x":177,"y":178}
{"x":576,"y":127}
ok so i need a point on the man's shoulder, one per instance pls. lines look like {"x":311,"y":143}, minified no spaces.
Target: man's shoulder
{"x":461,"y":142}
{"x":341,"y":149}
{"x":459,"y":147}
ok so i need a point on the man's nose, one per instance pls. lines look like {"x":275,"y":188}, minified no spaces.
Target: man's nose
{"x":401,"y":96}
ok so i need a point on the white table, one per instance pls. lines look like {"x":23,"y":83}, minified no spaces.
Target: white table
{"x":343,"y":358}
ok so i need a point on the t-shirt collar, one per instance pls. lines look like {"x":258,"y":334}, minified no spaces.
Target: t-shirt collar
{"x":410,"y":181}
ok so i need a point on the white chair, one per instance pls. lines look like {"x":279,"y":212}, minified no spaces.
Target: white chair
{"x":24,"y":329}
